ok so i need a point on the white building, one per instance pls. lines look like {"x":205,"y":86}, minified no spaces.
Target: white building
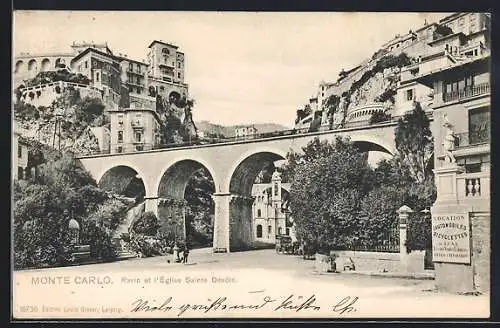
{"x":247,"y":131}
{"x":268,"y":210}
{"x":134,"y":129}
{"x":19,"y":156}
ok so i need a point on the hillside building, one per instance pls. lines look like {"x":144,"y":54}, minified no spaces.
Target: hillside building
{"x":166,"y":70}
{"x":459,"y":35}
{"x":460,"y":100}
{"x":134,"y":129}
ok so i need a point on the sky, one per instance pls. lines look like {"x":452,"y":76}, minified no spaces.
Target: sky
{"x":241,"y":67}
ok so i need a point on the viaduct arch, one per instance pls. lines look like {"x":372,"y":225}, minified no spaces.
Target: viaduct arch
{"x":233,"y":166}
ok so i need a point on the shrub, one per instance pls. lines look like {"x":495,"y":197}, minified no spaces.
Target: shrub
{"x":147,"y":224}
{"x":419,"y":232}
{"x":100,"y":241}
{"x":39,"y":243}
{"x":379,"y":116}
{"x":387,"y":95}
{"x":147,"y":246}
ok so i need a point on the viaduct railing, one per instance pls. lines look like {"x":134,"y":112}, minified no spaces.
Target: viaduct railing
{"x":122,"y":148}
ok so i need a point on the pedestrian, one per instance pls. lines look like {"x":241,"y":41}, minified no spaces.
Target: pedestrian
{"x":186,"y":253}
{"x":175,"y":254}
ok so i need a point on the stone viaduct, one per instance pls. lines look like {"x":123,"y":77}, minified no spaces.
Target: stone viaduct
{"x":233,"y":166}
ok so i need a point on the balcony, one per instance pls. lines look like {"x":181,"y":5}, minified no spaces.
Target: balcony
{"x":167,"y":65}
{"x":135,"y":83}
{"x":477,"y":90}
{"x":472,"y":138}
{"x":472,"y":186}
{"x":137,"y":124}
{"x":135,"y":71}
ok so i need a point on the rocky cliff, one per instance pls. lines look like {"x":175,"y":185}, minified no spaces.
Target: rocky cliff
{"x":62,"y":110}
{"x":374,"y":83}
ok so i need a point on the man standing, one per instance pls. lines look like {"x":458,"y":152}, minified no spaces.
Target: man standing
{"x":186,"y":253}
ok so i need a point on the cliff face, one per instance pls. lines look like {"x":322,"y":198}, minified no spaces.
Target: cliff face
{"x":374,"y":83}
{"x":62,"y":112}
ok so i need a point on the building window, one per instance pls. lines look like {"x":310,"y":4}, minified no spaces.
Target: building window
{"x":20,"y":172}
{"x":97,"y":76}
{"x":19,"y":151}
{"x":86,"y":64}
{"x":259,"y":231}
{"x":259,"y":213}
{"x":119,"y":149}
{"x":473,"y":168}
{"x":279,"y":231}
{"x":287,"y":231}
{"x":178,"y":65}
{"x":138,"y":136}
{"x":179,"y":75}
{"x":409,"y":95}
{"x":269,"y":229}
{"x":120,"y":136}
{"x":276,"y":189}
{"x":479,"y":125}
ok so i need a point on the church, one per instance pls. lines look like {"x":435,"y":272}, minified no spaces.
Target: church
{"x":270,"y":210}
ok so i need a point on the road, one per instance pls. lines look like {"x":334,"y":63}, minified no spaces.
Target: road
{"x":241,"y":278}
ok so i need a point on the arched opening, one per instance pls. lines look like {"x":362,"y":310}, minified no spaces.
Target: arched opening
{"x":127,"y":183}
{"x":32,"y":65}
{"x":374,"y":151}
{"x":174,"y":97}
{"x":45,"y":64}
{"x":19,"y":68}
{"x":123,"y":180}
{"x":259,"y":231}
{"x":186,"y":208}
{"x":60,"y":63}
{"x":257,"y":169}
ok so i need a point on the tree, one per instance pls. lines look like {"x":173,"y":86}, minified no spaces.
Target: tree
{"x":326,"y":190}
{"x":43,"y":207}
{"x":66,"y":172}
{"x":414,"y":142}
{"x":200,"y":207}
{"x":378,"y":209}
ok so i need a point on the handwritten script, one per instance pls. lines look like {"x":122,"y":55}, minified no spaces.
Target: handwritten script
{"x":289,"y":303}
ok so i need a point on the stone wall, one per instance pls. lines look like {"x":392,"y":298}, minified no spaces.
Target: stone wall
{"x":369,"y":261}
{"x":481,"y":251}
{"x":240,"y":230}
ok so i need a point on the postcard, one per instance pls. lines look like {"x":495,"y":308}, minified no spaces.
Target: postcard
{"x":175,"y":165}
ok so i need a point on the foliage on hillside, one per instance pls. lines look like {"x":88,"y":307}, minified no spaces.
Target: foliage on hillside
{"x":65,"y":123}
{"x":365,"y":89}
{"x":42,"y":208}
{"x":54,"y":76}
